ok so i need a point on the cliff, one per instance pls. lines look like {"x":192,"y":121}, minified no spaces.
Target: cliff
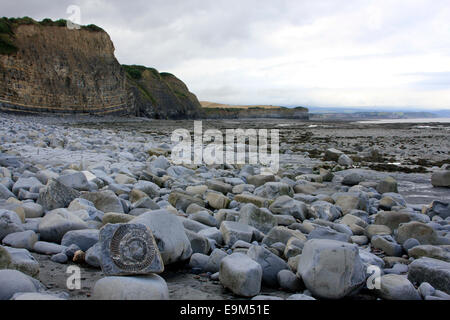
{"x":213,"y":110}
{"x":47,"y":68}
{"x":160,"y":95}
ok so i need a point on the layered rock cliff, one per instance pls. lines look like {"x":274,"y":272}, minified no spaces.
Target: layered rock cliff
{"x":46,"y":67}
{"x":160,"y":95}
{"x":213,"y":110}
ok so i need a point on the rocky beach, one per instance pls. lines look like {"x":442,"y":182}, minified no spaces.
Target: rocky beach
{"x":356,"y":211}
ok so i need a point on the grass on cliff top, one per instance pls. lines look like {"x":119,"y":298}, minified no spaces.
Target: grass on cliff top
{"x":135,"y":71}
{"x":45,"y":22}
{"x":7,"y":26}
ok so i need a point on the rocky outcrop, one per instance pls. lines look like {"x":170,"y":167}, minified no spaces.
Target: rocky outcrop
{"x":160,"y":95}
{"x":46,"y":67}
{"x":255,"y":112}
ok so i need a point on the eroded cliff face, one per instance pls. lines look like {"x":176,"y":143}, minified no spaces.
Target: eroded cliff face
{"x":160,"y":95}
{"x":47,"y":68}
{"x":59,"y":70}
{"x":253,"y":113}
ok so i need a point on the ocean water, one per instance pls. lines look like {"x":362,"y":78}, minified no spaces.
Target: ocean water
{"x":420,"y":120}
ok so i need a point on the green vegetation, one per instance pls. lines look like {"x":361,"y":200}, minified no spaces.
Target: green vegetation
{"x":6,"y":37}
{"x":147,"y":94}
{"x":93,"y":28}
{"x":134,"y":71}
{"x":166,"y":74}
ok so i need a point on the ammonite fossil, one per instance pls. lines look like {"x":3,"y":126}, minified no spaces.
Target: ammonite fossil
{"x":132,"y":248}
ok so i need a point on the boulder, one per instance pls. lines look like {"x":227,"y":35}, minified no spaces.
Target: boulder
{"x":424,"y":233}
{"x":93,"y":256}
{"x":29,"y":184}
{"x":270,"y":263}
{"x":250,"y":198}
{"x":397,"y":287}
{"x":204,"y":217}
{"x":272,"y":190}
{"x":112,"y":217}
{"x":234,"y":231}
{"x":14,"y":281}
{"x":214,"y":260}
{"x":23,"y":240}
{"x":5,"y":193}
{"x":212,"y":233}
{"x":287,"y":205}
{"x":387,"y":244}
{"x":435,"y":252}
{"x":83,"y":204}
{"x":261,"y":219}
{"x":259,"y":180}
{"x":241,"y":275}
{"x":149,"y":287}
{"x":282,"y":234}
{"x":84,"y":239}
{"x":289,"y":281}
{"x":435,"y":272}
{"x":331,"y":269}
{"x":377,"y":229}
{"x":426,"y":289}
{"x":324,"y":210}
{"x":181,"y":200}
{"x":169,"y":234}
{"x":352,"y":179}
{"x":217,"y":200}
{"x":321,"y":232}
{"x":32,"y":210}
{"x":36,"y":296}
{"x":150,"y":188}
{"x":441,"y":179}
{"x":105,"y":201}
{"x":48,"y":248}
{"x":56,"y":223}
{"x":219,"y":186}
{"x":332,"y":154}
{"x":393,"y":219}
{"x":345,"y":160}
{"x":18,"y":259}
{"x":349,"y":202}
{"x":9,"y":223}
{"x":56,"y":195}
{"x":76,"y":180}
{"x":438,"y":208}
{"x":386,"y":185}
{"x":199,"y":243}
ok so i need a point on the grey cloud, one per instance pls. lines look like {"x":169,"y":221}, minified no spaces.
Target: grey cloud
{"x":179,"y":35}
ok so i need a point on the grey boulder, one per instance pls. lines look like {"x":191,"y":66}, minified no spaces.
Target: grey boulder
{"x":331,"y":269}
{"x":150,"y":287}
{"x":241,"y":275}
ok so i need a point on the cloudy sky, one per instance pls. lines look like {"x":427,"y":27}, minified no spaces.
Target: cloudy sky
{"x":330,"y":53}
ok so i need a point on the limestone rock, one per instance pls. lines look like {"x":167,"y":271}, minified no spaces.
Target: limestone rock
{"x":441,"y":179}
{"x":261,"y":219}
{"x":56,"y":195}
{"x":56,"y":223}
{"x":270,"y":263}
{"x":435,"y":272}
{"x":169,"y":234}
{"x":331,"y":269}
{"x":241,"y":275}
{"x":14,"y":281}
{"x":149,"y":287}
{"x":397,"y":287}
